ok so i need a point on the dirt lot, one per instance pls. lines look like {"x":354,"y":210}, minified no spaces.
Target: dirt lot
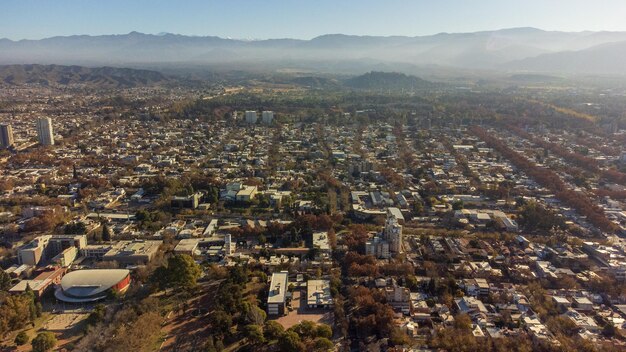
{"x":301,"y":312}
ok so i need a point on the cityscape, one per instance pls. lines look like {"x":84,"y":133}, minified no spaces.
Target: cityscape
{"x":293,"y":203}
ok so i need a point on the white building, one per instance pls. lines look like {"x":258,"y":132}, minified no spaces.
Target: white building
{"x":277,"y":295}
{"x":251,"y":117}
{"x":393,"y":233}
{"x":44,"y":131}
{"x":267,"y":117}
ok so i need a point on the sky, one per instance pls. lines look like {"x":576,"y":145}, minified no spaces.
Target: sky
{"x":264,"y":19}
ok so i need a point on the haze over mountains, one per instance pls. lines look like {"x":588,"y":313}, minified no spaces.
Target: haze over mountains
{"x":518,"y":49}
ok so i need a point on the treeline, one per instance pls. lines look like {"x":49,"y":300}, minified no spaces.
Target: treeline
{"x":549,"y":179}
{"x":577,"y":159}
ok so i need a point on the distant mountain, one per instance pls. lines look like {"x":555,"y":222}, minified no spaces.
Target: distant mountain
{"x":388,"y":81}
{"x":601,"y":59}
{"x":102,"y":77}
{"x":507,"y":49}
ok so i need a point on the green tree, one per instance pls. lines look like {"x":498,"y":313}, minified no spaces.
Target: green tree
{"x":5,"y":281}
{"x":181,"y":272}
{"x":221,"y":322}
{"x":273,"y":330}
{"x":290,"y":342}
{"x":324,"y":330}
{"x":21,"y":338}
{"x":254,"y":334}
{"x":305,"y":329}
{"x":322,"y":344}
{"x":45,"y":341}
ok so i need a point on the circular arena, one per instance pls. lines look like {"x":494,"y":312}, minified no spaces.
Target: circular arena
{"x":92,"y":285}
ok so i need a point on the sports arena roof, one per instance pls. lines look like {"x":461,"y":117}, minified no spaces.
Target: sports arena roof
{"x":89,"y":285}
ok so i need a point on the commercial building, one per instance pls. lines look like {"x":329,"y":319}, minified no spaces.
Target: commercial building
{"x":84,"y":286}
{"x":44,"y":131}
{"x":277,"y":296}
{"x":6,"y":136}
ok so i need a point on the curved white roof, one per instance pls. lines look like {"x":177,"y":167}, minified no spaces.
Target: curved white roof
{"x":91,"y":282}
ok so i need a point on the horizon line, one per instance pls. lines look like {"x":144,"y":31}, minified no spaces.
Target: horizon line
{"x":164,"y":33}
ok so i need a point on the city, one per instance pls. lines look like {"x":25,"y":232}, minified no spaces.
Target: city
{"x":265,"y":205}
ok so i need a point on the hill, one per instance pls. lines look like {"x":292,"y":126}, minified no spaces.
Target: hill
{"x":388,"y":81}
{"x":101,"y":77}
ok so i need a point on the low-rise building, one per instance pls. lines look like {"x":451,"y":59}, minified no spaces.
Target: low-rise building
{"x":277,"y":295}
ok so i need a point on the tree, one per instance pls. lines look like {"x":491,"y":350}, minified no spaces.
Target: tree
{"x":44,"y":341}
{"x":256,"y":315}
{"x":254,"y":334}
{"x":324,"y":330}
{"x":290,"y":342}
{"x":5,"y":281}
{"x":463,"y":322}
{"x":97,"y":315}
{"x":221,"y":322}
{"x":21,"y":338}
{"x":273,"y":330}
{"x":305,"y":329}
{"x":181,"y":272}
{"x":106,"y":233}
{"x":322,"y":344}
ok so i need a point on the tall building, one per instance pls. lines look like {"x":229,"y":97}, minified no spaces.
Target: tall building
{"x":6,"y":136}
{"x":393,"y":233}
{"x":44,"y":131}
{"x":251,"y":117}
{"x":267,"y":117}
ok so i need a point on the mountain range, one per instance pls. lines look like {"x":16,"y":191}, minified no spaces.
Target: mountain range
{"x":516,"y":50}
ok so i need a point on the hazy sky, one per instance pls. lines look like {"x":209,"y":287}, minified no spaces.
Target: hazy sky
{"x":260,"y":19}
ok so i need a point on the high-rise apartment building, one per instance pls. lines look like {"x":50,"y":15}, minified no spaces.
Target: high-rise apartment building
{"x":44,"y":131}
{"x":6,"y":136}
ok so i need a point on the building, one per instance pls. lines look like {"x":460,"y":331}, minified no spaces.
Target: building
{"x":246,"y":193}
{"x":93,"y":285}
{"x":66,"y":257}
{"x":377,"y":247}
{"x":277,"y":296}
{"x":267,"y":117}
{"x":33,"y":252}
{"x":251,"y":117}
{"x":45,"y":247}
{"x":393,"y":233}
{"x":318,"y":294}
{"x":6,"y":136}
{"x":41,"y":282}
{"x":188,"y":246}
{"x":44,"y":131}
{"x":190,"y":202}
{"x":321,"y":243}
{"x":132,"y":252}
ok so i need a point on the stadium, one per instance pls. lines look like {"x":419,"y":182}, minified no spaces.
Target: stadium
{"x":83,"y":286}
